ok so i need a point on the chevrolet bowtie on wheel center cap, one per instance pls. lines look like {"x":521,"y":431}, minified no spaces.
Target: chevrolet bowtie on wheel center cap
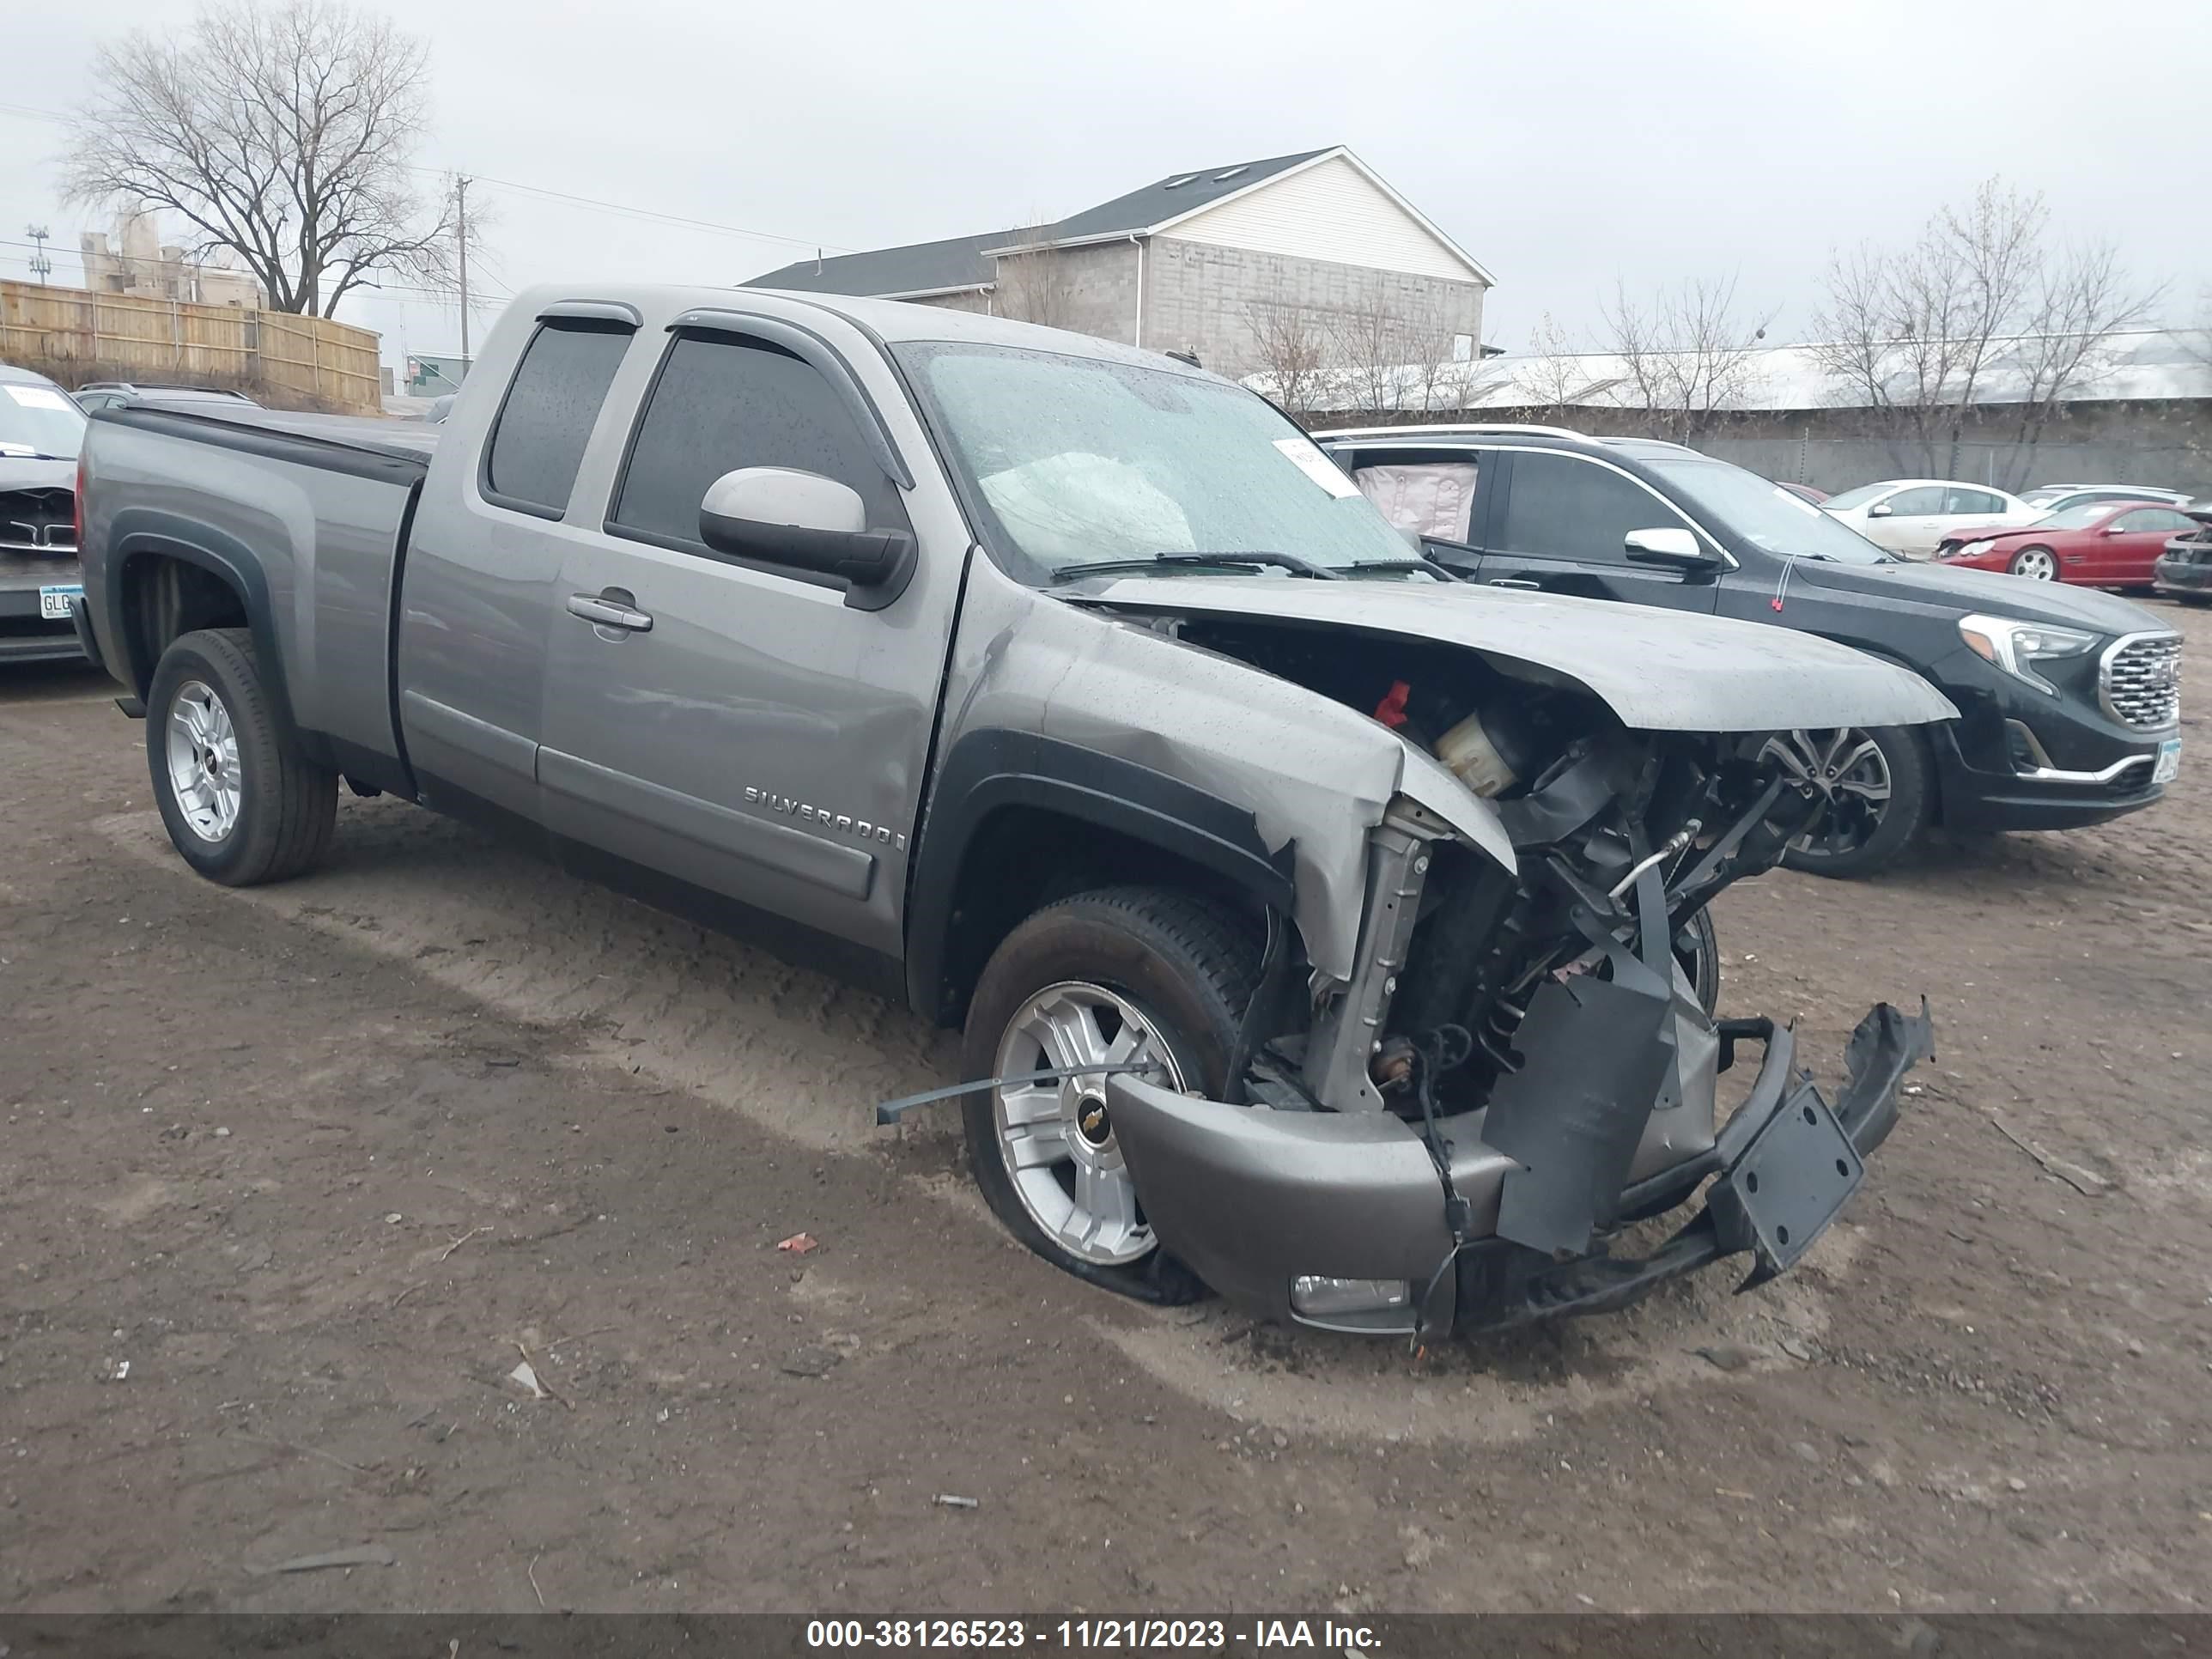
{"x":1056,"y":1137}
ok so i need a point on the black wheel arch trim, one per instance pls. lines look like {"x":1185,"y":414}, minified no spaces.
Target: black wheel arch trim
{"x":988,"y":771}
{"x":150,"y":533}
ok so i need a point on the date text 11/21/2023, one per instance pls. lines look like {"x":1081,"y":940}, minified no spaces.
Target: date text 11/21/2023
{"x":1324,"y":1636}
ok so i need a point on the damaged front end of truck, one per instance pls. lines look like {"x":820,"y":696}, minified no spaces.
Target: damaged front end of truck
{"x":1451,"y":1124}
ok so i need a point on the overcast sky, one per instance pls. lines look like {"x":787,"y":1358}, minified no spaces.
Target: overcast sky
{"x":1564,"y":146}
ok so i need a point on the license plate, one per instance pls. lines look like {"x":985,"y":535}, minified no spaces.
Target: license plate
{"x":2169,"y":762}
{"x":54,"y":602}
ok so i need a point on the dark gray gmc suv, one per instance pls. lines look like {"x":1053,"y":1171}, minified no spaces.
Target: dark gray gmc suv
{"x":2068,"y":699}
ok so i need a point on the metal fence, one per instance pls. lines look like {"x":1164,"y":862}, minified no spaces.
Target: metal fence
{"x":76,"y":334}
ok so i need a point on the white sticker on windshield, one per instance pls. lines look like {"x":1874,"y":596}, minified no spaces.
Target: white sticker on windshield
{"x":1305,"y":455}
{"x":37,"y":397}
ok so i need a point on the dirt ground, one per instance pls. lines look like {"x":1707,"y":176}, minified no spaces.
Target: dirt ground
{"x":291,"y":1180}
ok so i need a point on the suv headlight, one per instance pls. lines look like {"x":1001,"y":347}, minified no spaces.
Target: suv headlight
{"x":2017,"y":646}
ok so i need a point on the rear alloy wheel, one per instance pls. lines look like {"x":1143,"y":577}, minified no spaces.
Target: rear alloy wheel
{"x":2038,"y":564}
{"x":1123,"y":976}
{"x":241,"y":803}
{"x":1875,"y":789}
{"x":204,"y":766}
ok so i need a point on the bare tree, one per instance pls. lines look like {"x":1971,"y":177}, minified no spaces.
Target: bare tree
{"x":1291,"y":345}
{"x":1035,"y":285}
{"x":1436,"y":379}
{"x":1980,"y":304}
{"x":1687,"y":354}
{"x":2082,"y":300}
{"x":281,"y":134}
{"x":1550,"y":376}
{"x":1369,"y":337}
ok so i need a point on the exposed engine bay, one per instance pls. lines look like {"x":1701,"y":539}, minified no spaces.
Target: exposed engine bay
{"x":1542,"y":1037}
{"x":1591,"y":807}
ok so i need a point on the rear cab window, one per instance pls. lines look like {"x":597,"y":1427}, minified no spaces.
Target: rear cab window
{"x":537,"y":439}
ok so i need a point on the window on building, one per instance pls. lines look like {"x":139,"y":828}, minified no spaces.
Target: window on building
{"x":538,"y":440}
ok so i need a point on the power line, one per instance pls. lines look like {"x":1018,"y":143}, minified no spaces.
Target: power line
{"x":650,"y":215}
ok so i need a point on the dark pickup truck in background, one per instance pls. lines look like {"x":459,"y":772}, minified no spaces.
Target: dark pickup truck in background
{"x":1329,"y":930}
{"x":2068,"y":700}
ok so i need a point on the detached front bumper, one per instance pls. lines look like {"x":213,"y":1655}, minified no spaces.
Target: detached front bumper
{"x":1252,"y":1200}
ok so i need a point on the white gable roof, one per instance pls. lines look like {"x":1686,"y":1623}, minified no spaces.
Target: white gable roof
{"x":1331,"y":208}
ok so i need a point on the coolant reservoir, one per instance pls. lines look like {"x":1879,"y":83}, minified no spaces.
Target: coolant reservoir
{"x":1468,"y":750}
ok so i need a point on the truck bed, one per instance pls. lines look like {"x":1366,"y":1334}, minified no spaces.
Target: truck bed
{"x":405,"y":441}
{"x":308,"y":509}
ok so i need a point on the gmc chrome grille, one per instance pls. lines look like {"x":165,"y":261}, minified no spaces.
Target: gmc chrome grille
{"x":2140,"y":680}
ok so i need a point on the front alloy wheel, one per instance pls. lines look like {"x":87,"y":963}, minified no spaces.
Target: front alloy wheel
{"x":2038,"y":564}
{"x":1056,"y":1137}
{"x":1872,"y":789}
{"x":1117,"y":976}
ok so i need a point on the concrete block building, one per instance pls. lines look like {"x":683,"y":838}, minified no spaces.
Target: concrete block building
{"x":1217,"y":262}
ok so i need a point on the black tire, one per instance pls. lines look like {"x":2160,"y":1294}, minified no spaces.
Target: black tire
{"x":2194,"y":599}
{"x":1698,"y":948}
{"x":1187,"y":967}
{"x":286,"y":803}
{"x":1844,"y":846}
{"x":2013,"y":566}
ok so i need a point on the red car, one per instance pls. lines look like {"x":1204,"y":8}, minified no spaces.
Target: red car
{"x":2095,"y":544}
{"x":1803,"y":492}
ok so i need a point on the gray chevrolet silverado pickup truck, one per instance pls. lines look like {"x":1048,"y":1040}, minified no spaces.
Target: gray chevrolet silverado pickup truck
{"x":1318,"y":923}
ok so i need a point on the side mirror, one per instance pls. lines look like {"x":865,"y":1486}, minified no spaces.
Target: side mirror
{"x":1880,"y":510}
{"x":780,"y":515}
{"x":1679,"y":549}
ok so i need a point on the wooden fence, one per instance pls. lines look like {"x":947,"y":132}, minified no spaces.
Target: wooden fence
{"x":77,"y":334}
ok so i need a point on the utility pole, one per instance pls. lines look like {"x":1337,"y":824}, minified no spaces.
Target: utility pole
{"x":40,"y":265}
{"x":461,"y":233}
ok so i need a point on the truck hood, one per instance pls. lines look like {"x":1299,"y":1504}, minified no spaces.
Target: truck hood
{"x":1962,"y":591}
{"x":1658,"y":670}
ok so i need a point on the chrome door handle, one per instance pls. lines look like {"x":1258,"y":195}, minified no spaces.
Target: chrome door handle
{"x":609,"y":613}
{"x":1517,"y":581}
